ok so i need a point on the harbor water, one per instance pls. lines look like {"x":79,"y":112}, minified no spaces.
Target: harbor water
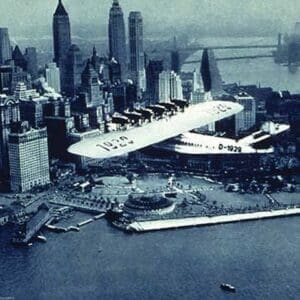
{"x":261,"y":259}
{"x":260,"y":71}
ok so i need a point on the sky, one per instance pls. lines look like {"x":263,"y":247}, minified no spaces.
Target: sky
{"x":158,"y":14}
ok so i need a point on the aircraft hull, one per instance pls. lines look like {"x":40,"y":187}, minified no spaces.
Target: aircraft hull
{"x":121,"y":142}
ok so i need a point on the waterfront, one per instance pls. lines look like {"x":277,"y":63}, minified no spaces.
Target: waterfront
{"x":260,"y":258}
{"x":261,"y":71}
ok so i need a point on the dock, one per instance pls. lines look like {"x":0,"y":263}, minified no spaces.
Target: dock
{"x":26,"y":231}
{"x":83,"y":223}
{"x":144,"y":226}
{"x":86,"y":206}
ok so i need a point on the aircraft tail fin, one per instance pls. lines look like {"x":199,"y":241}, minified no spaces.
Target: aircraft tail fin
{"x":268,"y":130}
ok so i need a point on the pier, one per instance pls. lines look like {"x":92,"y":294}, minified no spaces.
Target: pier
{"x":83,"y":205}
{"x":143,"y":226}
{"x":29,"y":229}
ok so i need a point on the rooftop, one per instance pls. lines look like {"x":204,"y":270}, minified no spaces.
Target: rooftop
{"x":60,"y":10}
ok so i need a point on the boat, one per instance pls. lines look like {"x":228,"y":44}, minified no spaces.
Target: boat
{"x":42,"y":238}
{"x":228,"y":287}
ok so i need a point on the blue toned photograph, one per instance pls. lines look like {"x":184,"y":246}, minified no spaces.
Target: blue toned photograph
{"x":149,"y":150}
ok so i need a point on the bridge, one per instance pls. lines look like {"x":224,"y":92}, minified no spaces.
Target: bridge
{"x":185,"y":52}
{"x":231,"y":58}
{"x":197,"y":48}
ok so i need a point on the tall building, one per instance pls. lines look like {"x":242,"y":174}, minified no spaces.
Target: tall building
{"x":175,"y":86}
{"x":61,"y":33}
{"x":28,"y":158}
{"x":10,"y":76}
{"x":96,"y":61}
{"x":5,"y":47}
{"x":136,"y":48}
{"x":73,"y":67}
{"x":19,"y":58}
{"x":164,"y":86}
{"x":61,"y":39}
{"x":211,"y":79}
{"x":90,"y":85}
{"x":9,"y":113}
{"x":175,"y":58}
{"x":59,"y":123}
{"x":210,"y":73}
{"x":154,"y":68}
{"x":170,"y":86}
{"x":114,"y":71}
{"x":20,"y":92}
{"x":247,"y":118}
{"x":5,"y":79}
{"x":53,"y":76}
{"x":31,"y":59}
{"x":117,"y":38}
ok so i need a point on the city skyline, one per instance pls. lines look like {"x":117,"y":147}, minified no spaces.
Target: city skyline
{"x":209,"y":15}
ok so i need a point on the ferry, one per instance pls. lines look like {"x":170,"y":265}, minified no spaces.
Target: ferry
{"x":228,"y":287}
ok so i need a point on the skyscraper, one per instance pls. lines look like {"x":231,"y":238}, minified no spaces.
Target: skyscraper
{"x":247,"y":118}
{"x":96,"y":61}
{"x":117,"y":38}
{"x":73,"y":67}
{"x":136,"y":47}
{"x":164,"y":86}
{"x":61,"y":40}
{"x":170,"y":86}
{"x":19,"y":58}
{"x":90,"y":85}
{"x":175,"y":58}
{"x":154,"y":68}
{"x":28,"y":158}
{"x":31,"y":59}
{"x":210,"y":73}
{"x":5,"y":47}
{"x":9,"y":113}
{"x":53,"y":76}
{"x":61,"y":33}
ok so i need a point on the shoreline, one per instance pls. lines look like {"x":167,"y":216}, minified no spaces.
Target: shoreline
{"x":156,"y":225}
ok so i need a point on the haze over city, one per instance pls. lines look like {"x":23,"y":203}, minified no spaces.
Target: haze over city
{"x":209,"y":17}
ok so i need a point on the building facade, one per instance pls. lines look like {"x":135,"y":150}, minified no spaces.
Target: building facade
{"x":136,"y":49}
{"x":73,"y":67}
{"x":154,"y":68}
{"x":53,"y":77}
{"x":19,"y":58}
{"x":117,"y":38}
{"x":91,"y":86}
{"x":170,"y":86}
{"x":28,"y":158}
{"x":5,"y":47}
{"x":61,"y":33}
{"x":31,"y":62}
{"x":9,"y":113}
{"x":247,"y":118}
{"x":61,"y":39}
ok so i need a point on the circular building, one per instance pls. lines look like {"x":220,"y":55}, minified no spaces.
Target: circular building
{"x":141,"y":205}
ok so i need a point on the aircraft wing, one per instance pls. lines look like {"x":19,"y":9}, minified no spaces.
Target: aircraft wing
{"x":121,"y":142}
